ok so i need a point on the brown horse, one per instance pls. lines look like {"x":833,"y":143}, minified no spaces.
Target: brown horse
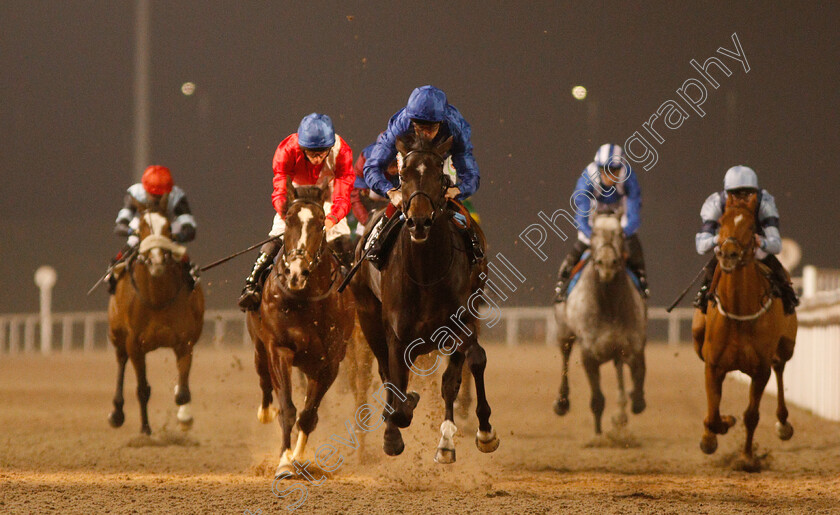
{"x":745,"y":329}
{"x":303,"y":321}
{"x":424,"y":296}
{"x":153,"y":306}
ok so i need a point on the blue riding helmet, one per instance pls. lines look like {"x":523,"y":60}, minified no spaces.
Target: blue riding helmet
{"x":316,"y":131}
{"x":426,"y":103}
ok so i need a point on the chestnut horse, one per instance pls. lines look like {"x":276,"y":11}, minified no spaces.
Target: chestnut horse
{"x":303,"y":321}
{"x":745,"y":328}
{"x":420,"y":299}
{"x":153,"y":306}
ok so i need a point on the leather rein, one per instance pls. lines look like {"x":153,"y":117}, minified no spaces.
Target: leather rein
{"x":742,"y":254}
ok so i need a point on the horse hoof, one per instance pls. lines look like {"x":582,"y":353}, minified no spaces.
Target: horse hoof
{"x":620,"y":419}
{"x":708,"y":444}
{"x":728,"y":421}
{"x":747,"y":463}
{"x":412,"y":398}
{"x":486,"y":442}
{"x":185,"y":425}
{"x":146,"y":430}
{"x":561,"y":406}
{"x":638,"y":405}
{"x":266,"y":416}
{"x":785,"y":431}
{"x":394,"y":448}
{"x":116,"y":419}
{"x":445,"y":456}
{"x":284,"y":472}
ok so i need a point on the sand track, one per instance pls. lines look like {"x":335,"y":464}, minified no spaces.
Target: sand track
{"x":57,"y":452}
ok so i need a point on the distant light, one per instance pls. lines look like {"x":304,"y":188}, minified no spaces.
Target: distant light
{"x":579,"y":92}
{"x":188,"y":88}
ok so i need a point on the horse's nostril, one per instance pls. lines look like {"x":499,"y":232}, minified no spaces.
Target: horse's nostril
{"x":304,"y":273}
{"x":410,"y":223}
{"x":427,"y":223}
{"x":287,"y":270}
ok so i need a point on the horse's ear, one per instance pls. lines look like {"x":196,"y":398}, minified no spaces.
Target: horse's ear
{"x":752,"y":201}
{"x":402,"y":147}
{"x":291,"y":193}
{"x":163,"y":202}
{"x":443,"y":147}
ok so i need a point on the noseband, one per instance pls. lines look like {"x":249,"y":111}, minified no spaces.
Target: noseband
{"x":742,"y":252}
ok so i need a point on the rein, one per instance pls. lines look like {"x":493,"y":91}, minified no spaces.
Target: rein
{"x":744,"y":318}
{"x":742,"y":254}
{"x":297,"y":296}
{"x":314,"y":260}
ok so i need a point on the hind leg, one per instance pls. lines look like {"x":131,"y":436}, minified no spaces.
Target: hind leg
{"x":620,"y":419}
{"x":485,"y":439}
{"x":182,"y":391}
{"x":596,"y":403}
{"x":117,"y":417}
{"x":759,"y":381}
{"x":561,"y":405}
{"x":464,"y":399}
{"x":449,"y":387}
{"x":637,"y":375}
{"x":783,"y":428}
{"x":144,"y":391}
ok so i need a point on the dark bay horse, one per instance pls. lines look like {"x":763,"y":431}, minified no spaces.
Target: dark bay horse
{"x":303,"y":321}
{"x":607,"y":317}
{"x":421,"y":298}
{"x":153,"y":306}
{"x":745,"y":328}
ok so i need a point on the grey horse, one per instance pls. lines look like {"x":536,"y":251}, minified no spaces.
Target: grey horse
{"x":607,"y":316}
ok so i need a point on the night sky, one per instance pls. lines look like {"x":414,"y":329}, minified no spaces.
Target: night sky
{"x":66,"y":114}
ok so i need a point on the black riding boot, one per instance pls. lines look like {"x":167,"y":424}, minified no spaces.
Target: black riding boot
{"x":344,"y":250}
{"x":475,"y":252}
{"x":378,"y":241}
{"x":701,"y":300}
{"x":636,"y":260}
{"x":110,"y":277}
{"x":250,"y":298}
{"x":191,"y":274}
{"x":781,"y":281}
{"x":565,"y":272}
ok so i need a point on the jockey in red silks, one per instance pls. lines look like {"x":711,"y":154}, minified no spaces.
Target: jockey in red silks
{"x":155,"y":187}
{"x":303,"y":156}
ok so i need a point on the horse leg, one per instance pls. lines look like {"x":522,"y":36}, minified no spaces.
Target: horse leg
{"x":714,"y":423}
{"x":398,"y":374}
{"x":117,"y":417}
{"x":144,"y":391}
{"x":266,"y":413}
{"x":637,"y":374}
{"x":485,"y":439}
{"x":315,"y":390}
{"x":620,"y":418}
{"x":182,"y":392}
{"x":596,"y":403}
{"x":698,"y":331}
{"x":449,"y":387}
{"x":751,"y":415}
{"x":783,"y":428}
{"x":281,"y":378}
{"x":464,"y":399}
{"x":561,"y":405}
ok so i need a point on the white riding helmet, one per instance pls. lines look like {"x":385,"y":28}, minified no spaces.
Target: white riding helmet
{"x":607,"y":154}
{"x":740,"y":177}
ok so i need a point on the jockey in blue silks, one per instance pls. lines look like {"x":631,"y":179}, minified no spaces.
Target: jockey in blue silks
{"x":429,"y":116}
{"x":742,"y":181}
{"x":611,"y":182}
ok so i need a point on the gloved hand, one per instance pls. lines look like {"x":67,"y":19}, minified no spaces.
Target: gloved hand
{"x":396,"y":197}
{"x":122,"y":229}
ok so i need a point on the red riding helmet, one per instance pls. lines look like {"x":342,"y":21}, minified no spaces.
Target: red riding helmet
{"x":157,"y":180}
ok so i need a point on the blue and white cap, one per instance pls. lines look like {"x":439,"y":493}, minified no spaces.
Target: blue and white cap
{"x":740,"y":177}
{"x":426,"y":103}
{"x":609,"y":154}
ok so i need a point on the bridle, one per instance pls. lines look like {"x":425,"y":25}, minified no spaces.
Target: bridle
{"x":311,"y":261}
{"x":143,"y":259}
{"x":444,"y":183}
{"x":742,"y":251}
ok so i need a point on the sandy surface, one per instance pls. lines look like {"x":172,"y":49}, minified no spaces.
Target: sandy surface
{"x":58,"y":454}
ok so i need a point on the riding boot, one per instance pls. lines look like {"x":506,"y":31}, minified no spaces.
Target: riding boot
{"x":476,"y":253}
{"x":643,"y":283}
{"x":342,"y":247}
{"x":379,"y":236}
{"x":701,"y":300}
{"x":636,"y":261}
{"x":782,"y":283}
{"x":112,"y":281}
{"x":563,"y":277}
{"x":250,"y":298}
{"x":191,"y":274}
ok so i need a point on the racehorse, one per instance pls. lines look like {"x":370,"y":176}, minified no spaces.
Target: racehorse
{"x":420,"y":299}
{"x":153,"y":306}
{"x":607,"y":315}
{"x":745,"y":328}
{"x":303,"y":321}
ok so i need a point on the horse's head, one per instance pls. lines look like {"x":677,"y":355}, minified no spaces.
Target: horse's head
{"x":607,"y":245}
{"x":423,"y":183}
{"x":305,"y":238}
{"x":157,"y":250}
{"x":737,"y":231}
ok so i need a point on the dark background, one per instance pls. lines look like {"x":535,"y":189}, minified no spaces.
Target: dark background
{"x":66,"y":117}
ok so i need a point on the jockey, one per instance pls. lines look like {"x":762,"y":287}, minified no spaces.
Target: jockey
{"x":155,"y":184}
{"x":302,"y":156}
{"x":611,"y":182}
{"x":429,"y":116}
{"x":742,"y":181}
